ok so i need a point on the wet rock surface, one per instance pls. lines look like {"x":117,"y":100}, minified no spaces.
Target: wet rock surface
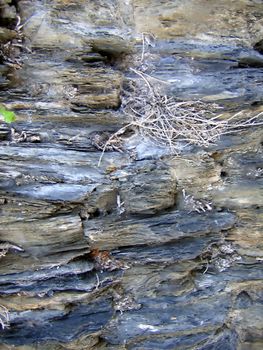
{"x":120,"y":244}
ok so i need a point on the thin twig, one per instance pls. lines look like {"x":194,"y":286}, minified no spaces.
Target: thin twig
{"x":112,"y":137}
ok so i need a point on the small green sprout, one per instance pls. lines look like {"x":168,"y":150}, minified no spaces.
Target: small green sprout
{"x":8,"y":116}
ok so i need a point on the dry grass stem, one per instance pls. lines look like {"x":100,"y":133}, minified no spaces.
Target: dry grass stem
{"x":148,"y":39}
{"x":4,"y":317}
{"x":112,"y":139}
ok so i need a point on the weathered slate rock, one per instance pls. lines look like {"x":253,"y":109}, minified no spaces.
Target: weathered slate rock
{"x":146,"y":250}
{"x":138,"y":194}
{"x":6,"y":34}
{"x":66,"y":325}
{"x":109,"y":234}
{"x":56,"y":192}
{"x":4,"y":132}
{"x":42,"y":240}
{"x":186,"y":319}
{"x":249,"y":245}
{"x":198,"y":19}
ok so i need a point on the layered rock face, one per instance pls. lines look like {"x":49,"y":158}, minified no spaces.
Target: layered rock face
{"x":109,"y":240}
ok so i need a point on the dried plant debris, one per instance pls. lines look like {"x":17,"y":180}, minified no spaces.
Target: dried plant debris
{"x":10,"y":51}
{"x":167,"y":121}
{"x":4,"y":317}
{"x":170,"y":123}
{"x":191,"y":204}
{"x":148,"y":40}
{"x":113,"y":143}
{"x":3,"y":253}
{"x":104,"y":261}
{"x":22,"y":136}
{"x":219,"y":257}
{"x":120,"y":205}
{"x":102,"y":141}
{"x":124,"y":302}
{"x":176,"y":124}
{"x":5,"y":247}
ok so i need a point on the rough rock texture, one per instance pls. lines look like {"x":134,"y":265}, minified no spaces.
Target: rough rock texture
{"x":138,"y":248}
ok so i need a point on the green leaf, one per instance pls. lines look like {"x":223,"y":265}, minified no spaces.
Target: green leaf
{"x":9,"y":116}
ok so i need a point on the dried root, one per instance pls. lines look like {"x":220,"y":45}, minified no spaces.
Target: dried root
{"x":10,"y":52}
